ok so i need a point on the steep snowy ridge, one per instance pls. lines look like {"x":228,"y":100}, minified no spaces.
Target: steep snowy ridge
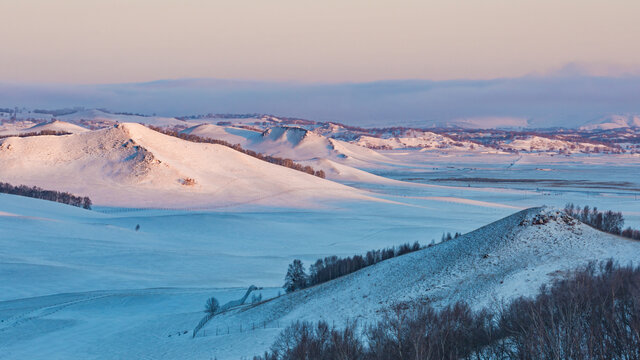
{"x":511,"y":257}
{"x":129,"y":164}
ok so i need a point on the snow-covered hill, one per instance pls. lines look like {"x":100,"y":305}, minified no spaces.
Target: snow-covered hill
{"x":300,"y":145}
{"x":129,"y":164}
{"x":543,"y":144}
{"x":57,"y":126}
{"x":28,"y":127}
{"x":290,"y":142}
{"x":231,"y":134}
{"x":510,"y":257}
{"x":99,"y":116}
{"x":415,"y":139}
{"x":613,"y":122}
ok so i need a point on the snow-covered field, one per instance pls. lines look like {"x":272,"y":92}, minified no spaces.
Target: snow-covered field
{"x":87,"y":284}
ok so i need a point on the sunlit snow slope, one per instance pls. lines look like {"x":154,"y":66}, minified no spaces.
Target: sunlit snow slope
{"x":131,"y":165}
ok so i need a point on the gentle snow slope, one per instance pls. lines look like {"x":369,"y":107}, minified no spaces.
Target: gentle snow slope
{"x":131,"y":165}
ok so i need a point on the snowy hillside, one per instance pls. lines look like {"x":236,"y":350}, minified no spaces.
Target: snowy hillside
{"x":28,"y":127}
{"x":99,"y":116}
{"x":231,"y":134}
{"x":289,"y":142}
{"x":57,"y":126}
{"x":130,"y":164}
{"x":543,"y":144}
{"x":507,"y":258}
{"x":301,"y":145}
{"x":415,"y":139}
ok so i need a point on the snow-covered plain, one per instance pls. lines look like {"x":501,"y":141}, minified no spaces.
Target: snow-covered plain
{"x":87,"y":284}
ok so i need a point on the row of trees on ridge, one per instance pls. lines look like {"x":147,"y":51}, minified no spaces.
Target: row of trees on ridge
{"x":333,"y":267}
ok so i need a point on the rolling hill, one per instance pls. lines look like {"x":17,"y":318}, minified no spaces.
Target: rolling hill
{"x":510,"y":257}
{"x":51,"y":126}
{"x":129,"y":164}
{"x":415,"y":139}
{"x":304,"y":146}
{"x":613,"y":122}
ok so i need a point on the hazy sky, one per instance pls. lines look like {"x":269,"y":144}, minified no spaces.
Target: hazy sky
{"x":115,"y":41}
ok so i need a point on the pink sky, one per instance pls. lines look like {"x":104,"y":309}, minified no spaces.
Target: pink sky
{"x":101,"y":41}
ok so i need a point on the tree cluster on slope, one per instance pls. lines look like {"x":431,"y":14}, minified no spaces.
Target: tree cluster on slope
{"x":270,"y":159}
{"x":51,"y":195}
{"x":593,"y":313}
{"x":607,"y":221}
{"x":333,"y":267}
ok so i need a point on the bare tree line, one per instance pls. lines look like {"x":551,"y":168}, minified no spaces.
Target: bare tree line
{"x":608,"y":221}
{"x":51,"y":195}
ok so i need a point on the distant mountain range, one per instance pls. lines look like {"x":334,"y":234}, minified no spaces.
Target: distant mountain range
{"x":613,"y":122}
{"x":530,"y":101}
